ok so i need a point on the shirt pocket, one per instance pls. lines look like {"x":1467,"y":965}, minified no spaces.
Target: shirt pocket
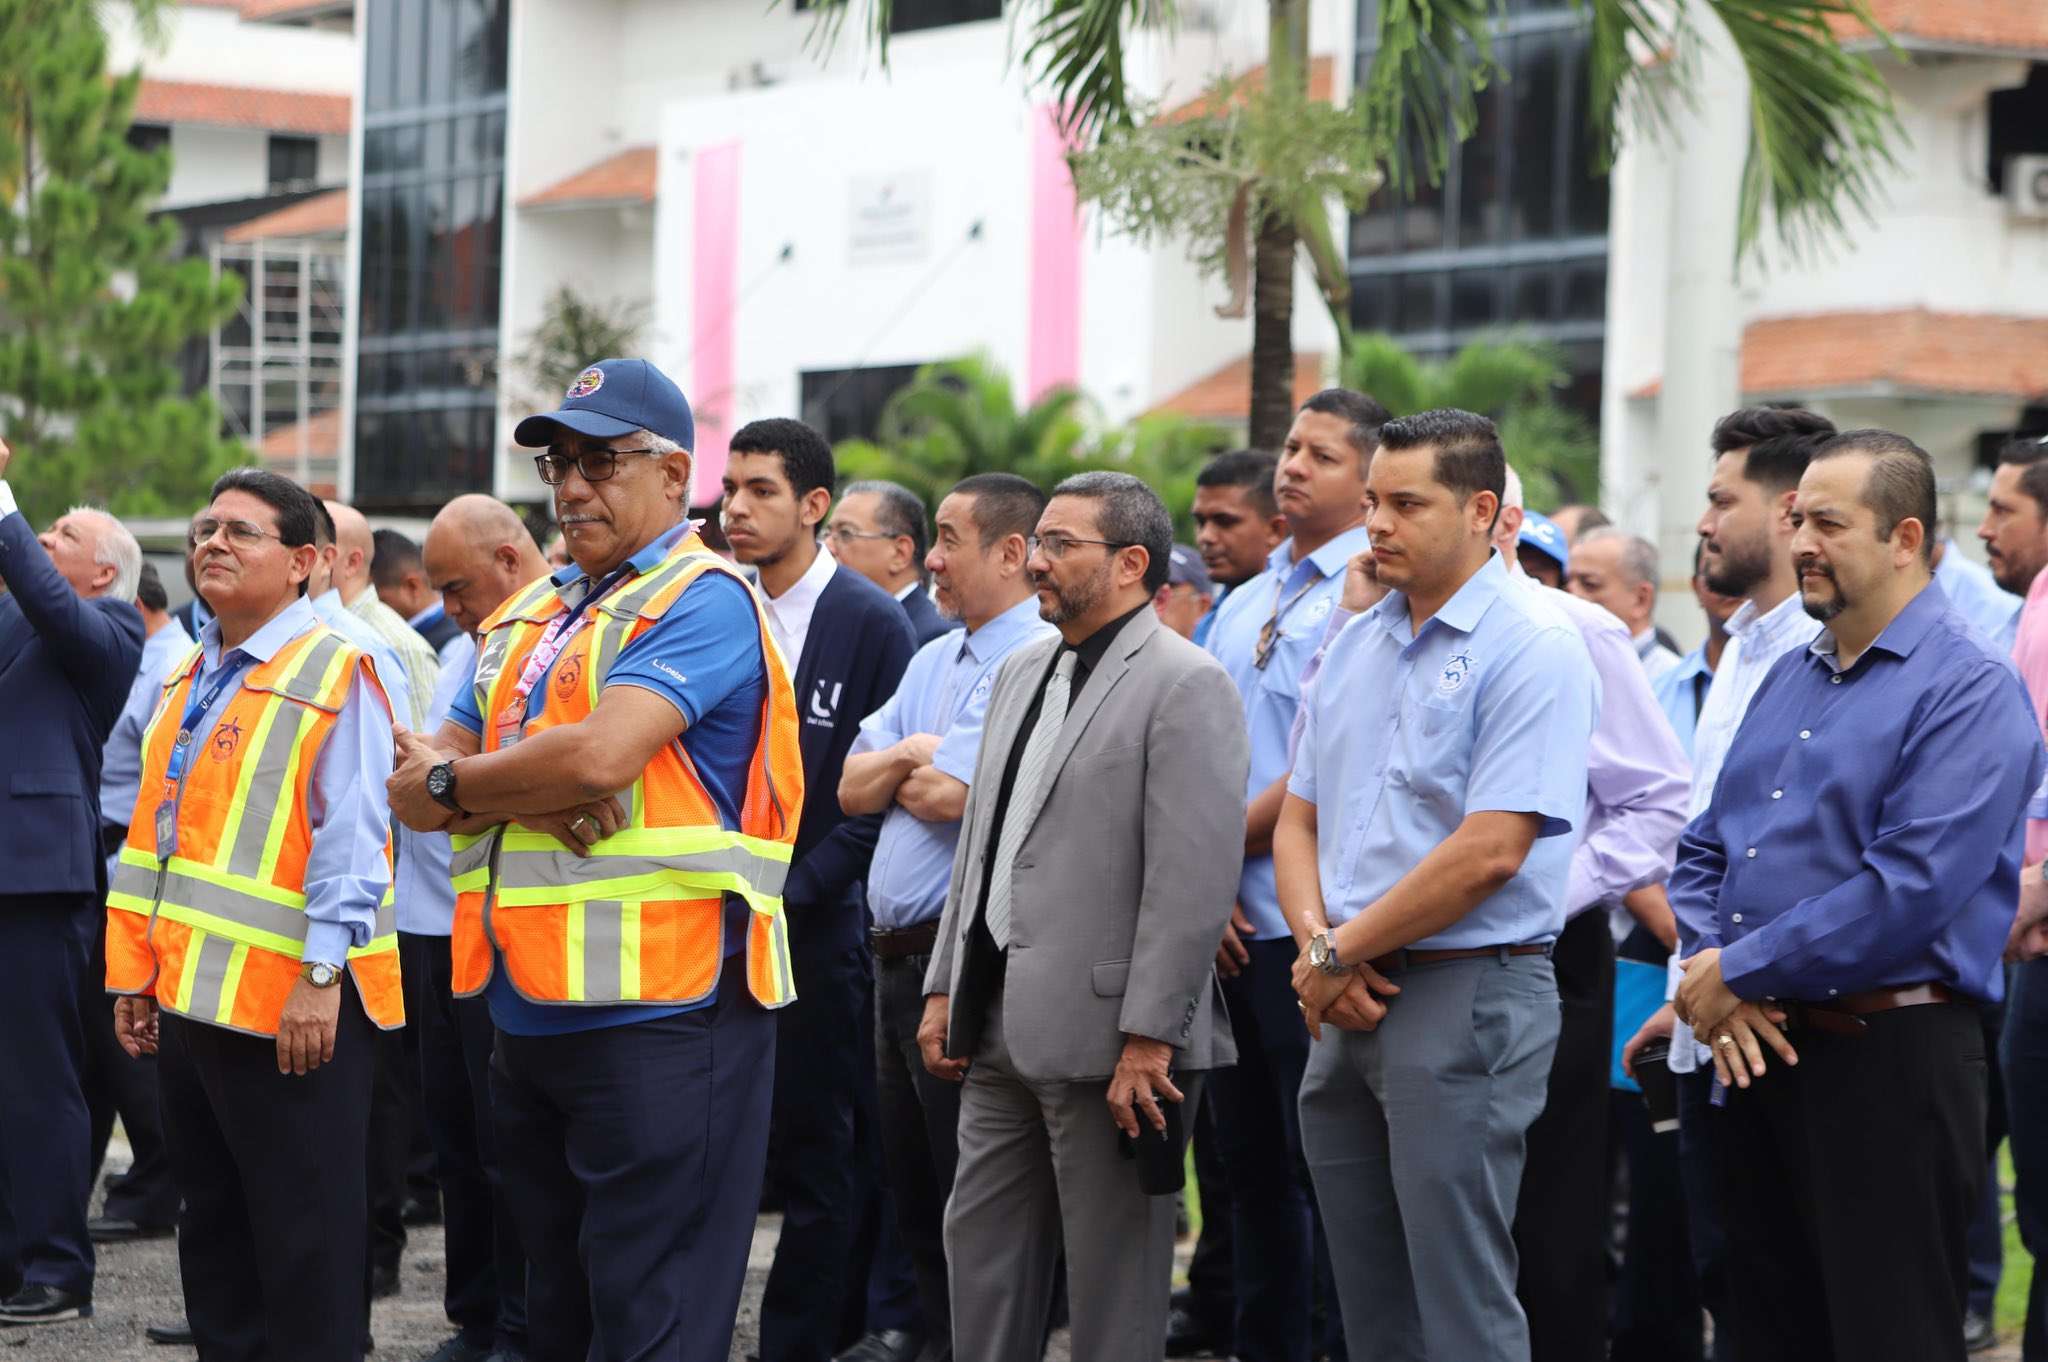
{"x":1433,"y":752}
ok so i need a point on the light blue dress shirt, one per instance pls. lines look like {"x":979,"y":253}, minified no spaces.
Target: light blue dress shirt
{"x":1681,"y":691}
{"x":944,"y":691}
{"x":121,"y":760}
{"x":426,"y":887}
{"x":1973,"y":591}
{"x":350,"y":818}
{"x":330,"y":611}
{"x":1301,"y":596}
{"x":1489,"y":709}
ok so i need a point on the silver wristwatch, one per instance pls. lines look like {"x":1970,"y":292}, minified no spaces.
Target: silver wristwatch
{"x":1322,"y":953}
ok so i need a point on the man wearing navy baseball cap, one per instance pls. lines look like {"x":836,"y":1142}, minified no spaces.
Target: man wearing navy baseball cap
{"x":623,"y":781}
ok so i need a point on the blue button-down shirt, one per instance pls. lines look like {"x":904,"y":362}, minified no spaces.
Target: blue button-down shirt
{"x":1681,"y":691}
{"x":1490,"y":708}
{"x":330,"y":611}
{"x":944,"y":691}
{"x":121,"y":761}
{"x":1300,"y":597}
{"x":1977,"y":596}
{"x":426,"y":889}
{"x":346,"y":808}
{"x":1866,"y":829}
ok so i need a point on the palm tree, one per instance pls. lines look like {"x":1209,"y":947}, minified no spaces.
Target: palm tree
{"x":1251,"y":179}
{"x":1512,"y":380}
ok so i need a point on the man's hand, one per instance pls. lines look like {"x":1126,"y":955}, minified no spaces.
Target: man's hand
{"x":919,"y":748}
{"x":407,"y":787}
{"x":1651,"y":907}
{"x":305,"y":1033}
{"x":931,"y":1040}
{"x":1703,"y":1000}
{"x":1139,"y":1081}
{"x":1231,"y":956}
{"x":1738,"y":1044}
{"x":582,"y":827}
{"x":1658,"y":1027}
{"x":1362,"y":588}
{"x":6,"y":456}
{"x":931,"y":796}
{"x":2028,"y":939}
{"x":1357,"y":1008}
{"x":134,"y":1018}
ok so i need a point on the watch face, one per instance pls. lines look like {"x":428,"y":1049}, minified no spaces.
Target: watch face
{"x":437,"y":781}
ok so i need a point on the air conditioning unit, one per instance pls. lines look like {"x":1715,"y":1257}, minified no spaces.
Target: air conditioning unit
{"x":2026,"y":186}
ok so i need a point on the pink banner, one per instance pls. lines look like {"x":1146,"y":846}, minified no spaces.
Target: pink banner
{"x":1055,"y":304}
{"x":715,"y":259}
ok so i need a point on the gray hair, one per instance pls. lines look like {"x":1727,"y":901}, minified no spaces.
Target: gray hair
{"x":899,"y":511}
{"x":115,"y":548}
{"x":1638,"y":555}
{"x":1131,"y":513}
{"x":660,"y":445}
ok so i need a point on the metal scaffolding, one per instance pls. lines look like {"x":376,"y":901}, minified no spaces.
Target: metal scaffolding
{"x":277,"y":362}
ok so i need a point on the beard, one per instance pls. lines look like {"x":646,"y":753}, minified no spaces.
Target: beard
{"x":1743,"y":567}
{"x":1822,"y":610}
{"x":1075,"y":601}
{"x":2013,"y":576}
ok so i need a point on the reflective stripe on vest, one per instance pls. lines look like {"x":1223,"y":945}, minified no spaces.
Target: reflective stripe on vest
{"x":215,"y":912}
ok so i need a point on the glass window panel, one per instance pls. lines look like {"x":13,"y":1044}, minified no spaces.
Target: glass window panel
{"x":1372,"y":302}
{"x":495,"y":44}
{"x":491,"y":140}
{"x":1418,"y":302}
{"x":1585,"y":291}
{"x":441,"y":83}
{"x":435,"y":137}
{"x":1475,"y":297}
{"x":1422,"y":220}
{"x":379,"y":77}
{"x":408,"y":52}
{"x":1533,"y":83}
{"x":1532,"y":294}
{"x":1482,"y":185}
{"x":1376,"y":231}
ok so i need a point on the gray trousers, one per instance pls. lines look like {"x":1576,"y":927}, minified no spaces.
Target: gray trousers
{"x":1039,"y":1167}
{"x":1414,"y":1135}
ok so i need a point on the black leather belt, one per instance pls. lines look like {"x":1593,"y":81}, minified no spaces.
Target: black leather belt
{"x":904,"y":941}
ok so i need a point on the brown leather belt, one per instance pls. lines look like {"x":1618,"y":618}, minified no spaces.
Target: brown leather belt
{"x":906,"y":941}
{"x":1843,"y":1016}
{"x":1408,"y":959}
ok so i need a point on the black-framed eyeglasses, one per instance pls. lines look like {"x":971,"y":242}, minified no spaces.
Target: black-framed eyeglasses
{"x":1056,"y":544}
{"x":243,"y":533}
{"x":594,"y":464}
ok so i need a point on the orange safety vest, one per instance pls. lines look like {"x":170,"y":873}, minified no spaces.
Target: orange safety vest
{"x":215,"y":931}
{"x":641,"y":919}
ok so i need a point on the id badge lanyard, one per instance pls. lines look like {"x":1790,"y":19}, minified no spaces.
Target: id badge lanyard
{"x":198,"y":704}
{"x":561,"y":631}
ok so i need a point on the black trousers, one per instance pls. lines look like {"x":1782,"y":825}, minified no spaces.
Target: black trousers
{"x":1212,"y":1297}
{"x":1698,"y":1123}
{"x":820,"y":1166}
{"x":118,"y":1085}
{"x":45,"y":1130}
{"x":920,"y":1124}
{"x":485,"y":1295}
{"x":394,"y":1120}
{"x":632,"y":1161}
{"x":1846,"y":1185}
{"x":271,"y":1240}
{"x":1561,"y":1216}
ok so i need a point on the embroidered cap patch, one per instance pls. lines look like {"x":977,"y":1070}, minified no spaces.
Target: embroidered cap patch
{"x":587,"y":382}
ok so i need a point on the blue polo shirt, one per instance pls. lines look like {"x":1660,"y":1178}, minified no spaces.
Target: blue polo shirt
{"x":1296,"y":598}
{"x":704,"y":657}
{"x":1488,"y":708}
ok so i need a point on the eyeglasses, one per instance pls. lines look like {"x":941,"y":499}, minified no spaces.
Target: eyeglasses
{"x":846,"y":534}
{"x":1056,"y":544}
{"x":240,"y":532}
{"x":594,"y":464}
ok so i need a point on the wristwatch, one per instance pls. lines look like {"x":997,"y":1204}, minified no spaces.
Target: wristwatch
{"x":441,"y":785}
{"x":320,"y":974}
{"x":1322,"y":953}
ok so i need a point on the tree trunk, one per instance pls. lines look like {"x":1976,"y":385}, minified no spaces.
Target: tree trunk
{"x":1272,"y":408}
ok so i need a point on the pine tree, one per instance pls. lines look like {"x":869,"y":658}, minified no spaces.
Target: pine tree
{"x":94,"y":301}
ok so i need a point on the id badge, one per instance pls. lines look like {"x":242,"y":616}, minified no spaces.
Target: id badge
{"x":510,"y":721}
{"x":166,"y":827}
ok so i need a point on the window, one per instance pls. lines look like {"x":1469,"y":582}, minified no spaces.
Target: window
{"x":432,"y":239}
{"x":846,"y":404}
{"x":294,"y":162}
{"x":911,"y":16}
{"x":149,"y":136}
{"x":2019,"y":123}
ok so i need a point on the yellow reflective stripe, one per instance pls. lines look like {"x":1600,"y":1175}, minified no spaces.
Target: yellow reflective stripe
{"x":666,"y":885}
{"x":231,"y":980}
{"x":648,"y":843}
{"x":187,"y":976}
{"x":245,"y":778}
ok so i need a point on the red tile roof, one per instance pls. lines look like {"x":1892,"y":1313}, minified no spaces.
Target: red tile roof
{"x":1322,"y":83}
{"x":1225,"y":396}
{"x":1995,"y":25}
{"x":242,"y":106}
{"x":284,"y":11}
{"x":321,"y":215}
{"x":1912,"y":350}
{"x":627,"y":177}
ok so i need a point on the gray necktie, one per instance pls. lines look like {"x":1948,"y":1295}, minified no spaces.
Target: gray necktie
{"x":1027,"y":794}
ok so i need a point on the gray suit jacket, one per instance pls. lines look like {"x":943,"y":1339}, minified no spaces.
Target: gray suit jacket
{"x":1130,"y":865}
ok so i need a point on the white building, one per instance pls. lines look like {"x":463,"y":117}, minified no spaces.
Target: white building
{"x":1932,"y":319}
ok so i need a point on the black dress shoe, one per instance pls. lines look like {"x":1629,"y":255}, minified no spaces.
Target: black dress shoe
{"x":39,"y":1304}
{"x":1978,"y":1332}
{"x":112,"y":1229}
{"x":177,"y":1335}
{"x":1188,"y":1336}
{"x":461,"y":1349}
{"x":885,"y":1345}
{"x":383,"y":1281}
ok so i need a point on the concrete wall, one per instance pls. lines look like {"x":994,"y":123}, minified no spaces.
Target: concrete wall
{"x":214,"y":47}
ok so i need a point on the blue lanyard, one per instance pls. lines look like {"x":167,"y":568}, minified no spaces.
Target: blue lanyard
{"x":197,"y":705}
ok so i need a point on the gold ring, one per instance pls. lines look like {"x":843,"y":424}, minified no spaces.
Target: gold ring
{"x":1725,"y":1041}
{"x":1300,"y":1004}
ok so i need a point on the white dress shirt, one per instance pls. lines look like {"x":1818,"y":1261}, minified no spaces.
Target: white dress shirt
{"x":789,"y":615}
{"x":1755,"y":642}
{"x":1656,"y":658}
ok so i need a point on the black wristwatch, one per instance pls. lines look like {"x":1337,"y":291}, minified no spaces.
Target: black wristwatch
{"x":441,"y":785}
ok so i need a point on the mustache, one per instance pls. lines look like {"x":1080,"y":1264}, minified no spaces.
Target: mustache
{"x":1813,"y":565}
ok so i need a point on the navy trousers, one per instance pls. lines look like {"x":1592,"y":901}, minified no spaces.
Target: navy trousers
{"x":45,"y":1131}
{"x":632,"y":1159}
{"x":117,"y":1085}
{"x":2023,"y":1054}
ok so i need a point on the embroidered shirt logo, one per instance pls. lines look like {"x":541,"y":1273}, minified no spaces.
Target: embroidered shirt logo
{"x":225,"y":740}
{"x":566,"y":677}
{"x":1457,"y":670}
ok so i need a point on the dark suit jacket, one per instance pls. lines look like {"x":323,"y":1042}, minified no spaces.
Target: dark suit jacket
{"x":854,"y":655}
{"x":926,"y":623}
{"x":436,"y":631}
{"x":65,"y":668}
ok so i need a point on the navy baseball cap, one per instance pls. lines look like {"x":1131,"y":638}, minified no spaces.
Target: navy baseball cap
{"x":615,"y":397}
{"x":1184,"y":566}
{"x":1540,"y":532}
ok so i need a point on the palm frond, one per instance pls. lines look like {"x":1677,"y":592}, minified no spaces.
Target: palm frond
{"x":1378,"y":364}
{"x":1076,"y":49}
{"x":1434,"y":57}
